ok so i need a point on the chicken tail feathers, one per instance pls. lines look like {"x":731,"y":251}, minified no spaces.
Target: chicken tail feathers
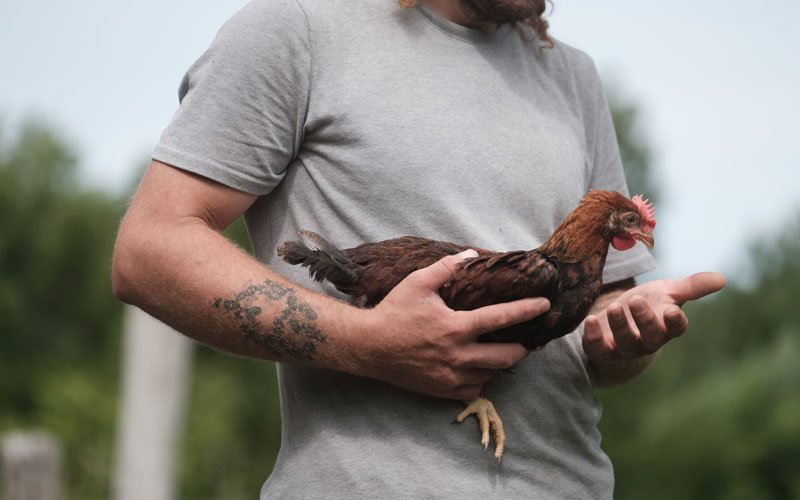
{"x":323,"y":260}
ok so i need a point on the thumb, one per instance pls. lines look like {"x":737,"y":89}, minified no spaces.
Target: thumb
{"x":698,"y":285}
{"x":438,"y":273}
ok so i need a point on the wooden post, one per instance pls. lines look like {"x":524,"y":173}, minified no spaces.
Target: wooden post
{"x":155,"y":379}
{"x":31,"y":466}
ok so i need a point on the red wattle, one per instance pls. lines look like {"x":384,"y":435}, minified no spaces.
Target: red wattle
{"x":623,"y":243}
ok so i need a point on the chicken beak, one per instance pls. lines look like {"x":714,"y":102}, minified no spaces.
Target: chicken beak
{"x":646,"y":238}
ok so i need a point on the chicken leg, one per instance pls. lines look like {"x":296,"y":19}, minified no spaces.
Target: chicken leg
{"x":488,"y":419}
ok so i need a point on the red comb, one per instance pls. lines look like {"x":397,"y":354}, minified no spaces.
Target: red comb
{"x":647,"y":212}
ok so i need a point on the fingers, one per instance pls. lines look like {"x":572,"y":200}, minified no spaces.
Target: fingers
{"x":650,"y":327}
{"x":636,"y":332}
{"x":438,"y":273}
{"x":595,"y":344}
{"x":626,"y":336}
{"x":643,"y":323}
{"x":697,"y":285}
{"x":675,"y":321}
{"x":494,"y":317}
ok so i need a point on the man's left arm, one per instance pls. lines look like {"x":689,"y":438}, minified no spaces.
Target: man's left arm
{"x":629,"y":324}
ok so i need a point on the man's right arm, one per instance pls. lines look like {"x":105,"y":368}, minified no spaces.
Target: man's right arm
{"x":172,"y":261}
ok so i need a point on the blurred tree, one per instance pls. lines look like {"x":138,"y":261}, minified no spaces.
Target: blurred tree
{"x":57,"y":316}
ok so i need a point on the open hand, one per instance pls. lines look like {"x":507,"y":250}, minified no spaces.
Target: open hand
{"x":641,"y":320}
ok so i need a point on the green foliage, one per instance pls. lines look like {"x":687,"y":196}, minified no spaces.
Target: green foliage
{"x":233,"y":430}
{"x":237,"y":233}
{"x":58,"y":348}
{"x":730,"y":432}
{"x":79,"y":405}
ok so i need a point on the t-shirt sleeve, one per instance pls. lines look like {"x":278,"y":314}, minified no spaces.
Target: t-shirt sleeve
{"x":606,"y":172}
{"x":243,"y":103}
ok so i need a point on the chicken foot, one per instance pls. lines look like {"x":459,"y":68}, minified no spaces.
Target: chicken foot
{"x":488,"y":419}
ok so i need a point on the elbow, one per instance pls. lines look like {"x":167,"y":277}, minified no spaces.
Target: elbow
{"x":121,"y":275}
{"x":120,"y":286}
{"x":125,"y":272}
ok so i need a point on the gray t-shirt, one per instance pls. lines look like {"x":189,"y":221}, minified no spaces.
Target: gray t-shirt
{"x":364,"y":121}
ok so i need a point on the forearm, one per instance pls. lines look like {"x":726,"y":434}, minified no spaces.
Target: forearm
{"x":188,"y":275}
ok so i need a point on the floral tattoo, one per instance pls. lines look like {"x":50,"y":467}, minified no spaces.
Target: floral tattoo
{"x":293,"y":333}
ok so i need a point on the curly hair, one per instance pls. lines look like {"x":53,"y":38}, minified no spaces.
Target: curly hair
{"x":537,"y":21}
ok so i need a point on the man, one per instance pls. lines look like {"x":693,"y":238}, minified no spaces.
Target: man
{"x":364,"y":121}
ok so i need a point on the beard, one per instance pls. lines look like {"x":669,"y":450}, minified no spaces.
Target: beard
{"x":502,"y":11}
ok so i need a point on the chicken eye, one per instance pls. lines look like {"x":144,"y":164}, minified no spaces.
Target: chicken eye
{"x":630,"y":219}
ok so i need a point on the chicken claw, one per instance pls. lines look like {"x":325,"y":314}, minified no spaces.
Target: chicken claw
{"x":488,"y":418}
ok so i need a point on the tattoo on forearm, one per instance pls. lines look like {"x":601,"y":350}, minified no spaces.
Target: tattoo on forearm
{"x":293,"y":333}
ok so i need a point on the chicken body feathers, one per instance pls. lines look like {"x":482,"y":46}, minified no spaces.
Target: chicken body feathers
{"x":370,"y":271}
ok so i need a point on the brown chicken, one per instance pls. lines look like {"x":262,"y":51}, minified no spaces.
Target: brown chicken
{"x":567,"y":270}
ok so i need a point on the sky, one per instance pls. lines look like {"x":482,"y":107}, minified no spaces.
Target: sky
{"x":717,"y":82}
